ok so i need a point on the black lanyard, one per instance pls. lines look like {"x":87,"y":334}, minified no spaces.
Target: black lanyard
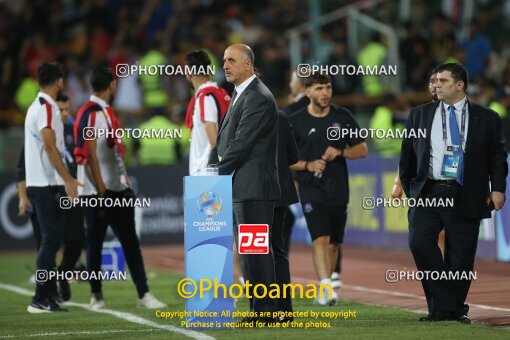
{"x":462,"y":124}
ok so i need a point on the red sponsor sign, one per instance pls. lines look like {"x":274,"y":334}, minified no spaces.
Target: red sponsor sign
{"x":253,"y":239}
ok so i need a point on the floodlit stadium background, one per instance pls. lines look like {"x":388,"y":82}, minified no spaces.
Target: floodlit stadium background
{"x":414,"y":35}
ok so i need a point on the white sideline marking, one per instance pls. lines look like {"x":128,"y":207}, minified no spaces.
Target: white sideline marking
{"x":80,"y":332}
{"x":122,"y":315}
{"x":15,"y":289}
{"x":407,"y":295}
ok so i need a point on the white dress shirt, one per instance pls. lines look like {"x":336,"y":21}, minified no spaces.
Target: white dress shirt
{"x":241,"y":87}
{"x":437,"y":145}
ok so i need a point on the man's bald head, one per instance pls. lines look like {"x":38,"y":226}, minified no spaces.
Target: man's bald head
{"x":246,"y":50}
{"x":238,"y":63}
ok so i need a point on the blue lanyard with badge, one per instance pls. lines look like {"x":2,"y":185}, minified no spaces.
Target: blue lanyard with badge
{"x":453,"y":155}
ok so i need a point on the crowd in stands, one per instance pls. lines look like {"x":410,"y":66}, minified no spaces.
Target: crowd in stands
{"x":84,"y":34}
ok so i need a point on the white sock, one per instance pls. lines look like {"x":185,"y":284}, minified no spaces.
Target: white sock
{"x":325,"y":281}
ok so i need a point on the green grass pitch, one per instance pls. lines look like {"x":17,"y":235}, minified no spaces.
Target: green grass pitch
{"x":371,"y":322}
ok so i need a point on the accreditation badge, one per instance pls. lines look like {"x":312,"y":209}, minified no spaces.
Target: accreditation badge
{"x":451,"y":160}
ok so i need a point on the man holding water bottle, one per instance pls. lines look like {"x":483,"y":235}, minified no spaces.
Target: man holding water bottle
{"x":322,"y":173}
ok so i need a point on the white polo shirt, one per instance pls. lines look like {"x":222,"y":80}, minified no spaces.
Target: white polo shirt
{"x":111,"y":163}
{"x":200,"y":148}
{"x":43,"y":113}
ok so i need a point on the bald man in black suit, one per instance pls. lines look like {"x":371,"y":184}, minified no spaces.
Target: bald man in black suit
{"x":246,"y":149}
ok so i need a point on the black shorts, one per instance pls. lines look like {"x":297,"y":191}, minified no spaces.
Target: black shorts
{"x":325,"y":221}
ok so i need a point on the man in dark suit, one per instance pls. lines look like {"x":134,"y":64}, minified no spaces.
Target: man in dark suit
{"x":298,"y":102}
{"x":287,"y":156}
{"x":246,"y":150}
{"x":298,"y":93}
{"x":461,"y":155}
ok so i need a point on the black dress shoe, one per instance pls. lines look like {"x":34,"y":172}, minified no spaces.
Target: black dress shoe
{"x":464,"y":319}
{"x":64,"y":290}
{"x":256,"y":321}
{"x":425,"y":318}
{"x":439,"y":316}
{"x":247,"y":319}
{"x":283,"y":319}
{"x":442,"y":316}
{"x":267,"y":320}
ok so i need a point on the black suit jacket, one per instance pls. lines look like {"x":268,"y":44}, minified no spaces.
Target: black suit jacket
{"x":246,"y":143}
{"x":296,"y":106}
{"x":287,"y":156}
{"x":484,"y":158}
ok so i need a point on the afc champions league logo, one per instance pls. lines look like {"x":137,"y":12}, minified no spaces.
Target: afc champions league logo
{"x":209,"y":203}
